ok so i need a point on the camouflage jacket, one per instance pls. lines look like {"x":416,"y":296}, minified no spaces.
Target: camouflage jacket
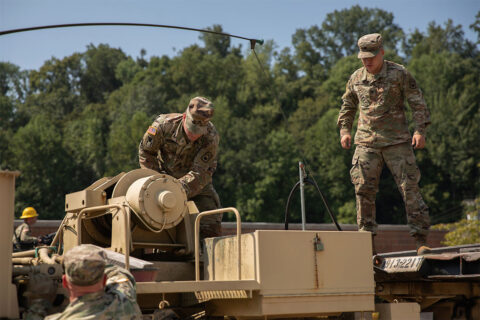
{"x":23,"y":235}
{"x":166,"y":148}
{"x":382,"y":121}
{"x":117,"y":301}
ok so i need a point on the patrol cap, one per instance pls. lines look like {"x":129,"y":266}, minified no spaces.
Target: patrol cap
{"x":84,"y":265}
{"x":198,"y":114}
{"x":370,"y":45}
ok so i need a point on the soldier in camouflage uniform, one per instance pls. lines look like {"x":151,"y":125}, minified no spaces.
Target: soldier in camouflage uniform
{"x":185,"y":147}
{"x":22,"y":237}
{"x":378,"y":90}
{"x":97,"y":291}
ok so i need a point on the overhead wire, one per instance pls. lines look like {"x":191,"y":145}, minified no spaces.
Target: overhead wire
{"x":88,"y":24}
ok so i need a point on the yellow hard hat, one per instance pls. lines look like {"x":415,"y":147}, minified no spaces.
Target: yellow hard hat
{"x":29,"y":212}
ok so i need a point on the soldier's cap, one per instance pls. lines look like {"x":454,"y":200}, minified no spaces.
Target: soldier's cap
{"x":84,"y":265}
{"x":198,"y":114}
{"x":369,"y":45}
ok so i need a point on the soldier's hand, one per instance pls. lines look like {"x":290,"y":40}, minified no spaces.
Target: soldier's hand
{"x":418,"y":141}
{"x":346,"y":141}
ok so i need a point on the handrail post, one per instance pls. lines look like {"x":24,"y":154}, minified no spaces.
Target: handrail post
{"x":197,"y":241}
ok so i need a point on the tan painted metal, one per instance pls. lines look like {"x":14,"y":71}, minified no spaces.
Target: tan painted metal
{"x":155,"y":205}
{"x":238,"y":237}
{"x":8,"y":291}
{"x":398,"y":311}
{"x":160,"y":200}
{"x":100,"y":211}
{"x":261,"y":274}
{"x":194,"y":286}
{"x":295,"y":275}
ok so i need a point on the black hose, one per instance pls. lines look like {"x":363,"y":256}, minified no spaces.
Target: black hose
{"x":313,"y":183}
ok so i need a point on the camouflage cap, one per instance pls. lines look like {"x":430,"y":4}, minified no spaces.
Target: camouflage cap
{"x":198,"y":114}
{"x":84,"y":265}
{"x":369,"y":45}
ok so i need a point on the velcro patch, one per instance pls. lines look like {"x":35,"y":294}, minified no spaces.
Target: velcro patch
{"x":152,"y":130}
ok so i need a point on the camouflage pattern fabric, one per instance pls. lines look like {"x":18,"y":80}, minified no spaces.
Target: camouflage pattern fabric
{"x":365,"y":173}
{"x":22,"y":237}
{"x":380,"y":99}
{"x":84,"y":265}
{"x":117,"y":301}
{"x":166,"y":148}
{"x":211,"y":225}
{"x":198,"y":114}
{"x":37,"y":310}
{"x":369,"y":45}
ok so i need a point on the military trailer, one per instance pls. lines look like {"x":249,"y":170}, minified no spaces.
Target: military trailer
{"x":146,"y":224}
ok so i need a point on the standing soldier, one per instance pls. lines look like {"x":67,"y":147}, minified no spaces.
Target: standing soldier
{"x":378,"y":90}
{"x":22,"y":238}
{"x":97,"y":291}
{"x":185,"y":147}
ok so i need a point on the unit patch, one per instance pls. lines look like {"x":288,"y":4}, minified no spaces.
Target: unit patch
{"x":152,"y":130}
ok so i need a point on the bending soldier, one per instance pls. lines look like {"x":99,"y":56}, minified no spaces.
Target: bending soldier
{"x":97,"y":291}
{"x":185,"y":147}
{"x":378,"y":90}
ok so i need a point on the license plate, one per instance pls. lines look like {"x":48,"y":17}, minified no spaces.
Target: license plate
{"x":403,"y":264}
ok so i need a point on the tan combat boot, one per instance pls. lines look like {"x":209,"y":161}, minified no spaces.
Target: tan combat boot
{"x":421,"y":244}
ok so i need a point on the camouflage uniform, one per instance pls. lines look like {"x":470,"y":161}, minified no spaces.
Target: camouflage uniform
{"x":84,"y":266}
{"x":383,"y":137}
{"x":166,"y":148}
{"x":22,"y":238}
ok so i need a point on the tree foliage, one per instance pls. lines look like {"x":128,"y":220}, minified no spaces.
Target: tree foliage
{"x":77,"y":119}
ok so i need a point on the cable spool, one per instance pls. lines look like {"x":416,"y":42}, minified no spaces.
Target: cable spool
{"x":160,"y":201}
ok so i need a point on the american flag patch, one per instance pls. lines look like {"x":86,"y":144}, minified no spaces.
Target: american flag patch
{"x":151,"y":130}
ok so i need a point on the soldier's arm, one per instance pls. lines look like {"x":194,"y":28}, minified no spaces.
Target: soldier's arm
{"x":149,"y":146}
{"x":121,"y":280}
{"x":26,"y":237}
{"x":420,"y":113}
{"x":204,"y":165}
{"x":348,"y":109}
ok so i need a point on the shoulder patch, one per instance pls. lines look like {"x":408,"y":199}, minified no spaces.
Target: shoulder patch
{"x":152,"y":131}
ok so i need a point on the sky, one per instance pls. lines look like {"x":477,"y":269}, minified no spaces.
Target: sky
{"x":275,"y":20}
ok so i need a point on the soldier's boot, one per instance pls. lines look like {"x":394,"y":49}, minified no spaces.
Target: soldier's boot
{"x":421,"y":244}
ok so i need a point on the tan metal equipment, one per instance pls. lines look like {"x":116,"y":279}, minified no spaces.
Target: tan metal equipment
{"x":144,"y":218}
{"x":146,"y":214}
{"x":146,"y":224}
{"x":8,"y":293}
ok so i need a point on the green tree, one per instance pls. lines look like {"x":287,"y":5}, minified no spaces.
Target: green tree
{"x":125,"y":135}
{"x":99,"y":77}
{"x":339,"y":33}
{"x":476,"y":26}
{"x":465,"y":231}
{"x":55,"y":88}
{"x":47,"y":172}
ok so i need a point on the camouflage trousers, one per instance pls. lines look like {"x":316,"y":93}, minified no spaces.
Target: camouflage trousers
{"x":367,"y":165}
{"x":211,"y":225}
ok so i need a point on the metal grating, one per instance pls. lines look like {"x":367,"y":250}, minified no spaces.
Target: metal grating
{"x":203,"y":296}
